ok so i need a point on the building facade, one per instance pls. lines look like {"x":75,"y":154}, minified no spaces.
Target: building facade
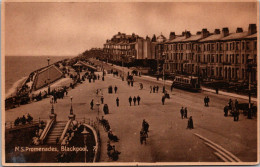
{"x":128,"y":47}
{"x":219,"y":55}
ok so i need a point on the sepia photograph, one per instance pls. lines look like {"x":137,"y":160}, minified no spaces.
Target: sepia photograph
{"x":89,"y":83}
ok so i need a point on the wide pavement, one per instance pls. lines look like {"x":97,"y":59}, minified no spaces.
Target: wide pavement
{"x":169,"y":140}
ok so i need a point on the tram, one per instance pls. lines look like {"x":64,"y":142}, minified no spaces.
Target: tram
{"x":187,"y":82}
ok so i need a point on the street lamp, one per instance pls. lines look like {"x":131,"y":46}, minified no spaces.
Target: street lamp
{"x":52,"y":108}
{"x":85,"y":134}
{"x":71,"y":109}
{"x":49,"y":89}
{"x":249,"y":70}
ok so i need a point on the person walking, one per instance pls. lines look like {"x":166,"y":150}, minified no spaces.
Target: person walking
{"x":151,"y":88}
{"x":115,"y":89}
{"x":130,"y":100}
{"x":138,"y":99}
{"x":163,"y":100}
{"x":185,"y":113}
{"x":190,"y":123}
{"x":207,"y":100}
{"x":182,"y":112}
{"x":117,"y":102}
{"x":163,"y":91}
{"x":91,"y":104}
{"x":102,"y":99}
{"x":134,"y":99}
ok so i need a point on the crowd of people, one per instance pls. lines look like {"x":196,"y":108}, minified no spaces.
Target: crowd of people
{"x":23,"y":120}
{"x":111,"y":150}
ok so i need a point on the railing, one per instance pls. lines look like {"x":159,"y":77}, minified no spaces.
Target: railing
{"x":65,"y":130}
{"x":97,"y":141}
{"x":47,"y":129}
{"x":11,"y":126}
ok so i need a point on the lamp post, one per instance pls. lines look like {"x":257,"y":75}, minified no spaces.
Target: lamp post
{"x":71,"y":109}
{"x":52,"y":108}
{"x":85,"y":134}
{"x":49,"y":89}
{"x":71,"y":115}
{"x":98,"y":104}
{"x":249,"y":70}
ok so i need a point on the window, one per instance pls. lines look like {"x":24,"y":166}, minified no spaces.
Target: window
{"x":237,"y":56}
{"x":227,"y":58}
{"x":220,"y":58}
{"x":243,"y":58}
{"x":243,"y":45}
{"x":226,"y":46}
{"x":255,"y":45}
{"x":247,"y":46}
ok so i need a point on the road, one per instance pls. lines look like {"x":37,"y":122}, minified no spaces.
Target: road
{"x":169,"y":140}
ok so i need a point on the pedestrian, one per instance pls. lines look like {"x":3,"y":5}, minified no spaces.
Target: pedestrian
{"x":230,"y":103}
{"x":132,"y":83}
{"x":163,"y":99}
{"x":182,"y":112}
{"x":157,"y":89}
{"x":105,"y":109}
{"x":236,"y":104}
{"x":117,"y":102}
{"x":130,"y":100}
{"x":190,"y":123}
{"x":163,"y":89}
{"x":151,"y":88}
{"x":134,"y":99}
{"x":115,"y":89}
{"x":102,"y":99}
{"x":91,"y":104}
{"x":226,"y":111}
{"x":207,"y":100}
{"x":172,"y":87}
{"x":138,"y":99}
{"x":185,"y":113}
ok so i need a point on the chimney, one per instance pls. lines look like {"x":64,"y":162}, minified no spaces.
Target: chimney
{"x":225,"y":32}
{"x":172,"y":35}
{"x":204,"y":33}
{"x":119,"y":33}
{"x":187,"y":34}
{"x":183,"y":33}
{"x":251,"y":29}
{"x":239,"y":30}
{"x":217,"y":31}
{"x":198,"y":33}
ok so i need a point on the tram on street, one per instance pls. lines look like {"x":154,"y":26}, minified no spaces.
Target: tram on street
{"x":187,"y":82}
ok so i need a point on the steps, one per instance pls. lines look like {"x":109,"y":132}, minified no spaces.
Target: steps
{"x":55,"y":132}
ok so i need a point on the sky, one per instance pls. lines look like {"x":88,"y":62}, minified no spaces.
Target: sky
{"x":66,"y":28}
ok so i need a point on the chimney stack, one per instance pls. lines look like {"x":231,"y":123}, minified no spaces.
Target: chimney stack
{"x":239,"y":30}
{"x":187,"y":34}
{"x":225,"y":32}
{"x":217,"y":31}
{"x":198,"y":33}
{"x":172,"y":35}
{"x":251,"y":29}
{"x":204,"y":33}
{"x":183,"y":33}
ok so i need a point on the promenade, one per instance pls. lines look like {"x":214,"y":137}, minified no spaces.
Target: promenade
{"x":169,"y":140}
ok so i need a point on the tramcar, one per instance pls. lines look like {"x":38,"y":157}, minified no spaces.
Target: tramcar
{"x":187,"y":82}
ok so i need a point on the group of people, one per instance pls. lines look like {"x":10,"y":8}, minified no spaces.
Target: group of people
{"x":111,"y":151}
{"x":154,"y":89}
{"x":184,"y":113}
{"x":23,"y":120}
{"x":134,"y":99}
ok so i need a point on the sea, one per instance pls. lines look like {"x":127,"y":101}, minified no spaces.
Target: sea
{"x":17,"y":68}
